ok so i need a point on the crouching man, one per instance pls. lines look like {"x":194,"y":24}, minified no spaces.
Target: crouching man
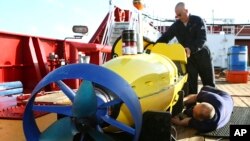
{"x":212,"y":110}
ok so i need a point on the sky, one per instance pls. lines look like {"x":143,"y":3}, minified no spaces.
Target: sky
{"x":55,"y":18}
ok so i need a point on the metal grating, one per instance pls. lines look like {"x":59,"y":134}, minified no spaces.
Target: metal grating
{"x":240,"y":116}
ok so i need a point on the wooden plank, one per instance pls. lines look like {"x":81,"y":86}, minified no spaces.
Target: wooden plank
{"x":12,"y":130}
{"x":55,"y":98}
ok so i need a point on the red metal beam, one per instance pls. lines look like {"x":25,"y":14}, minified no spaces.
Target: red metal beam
{"x":98,"y":35}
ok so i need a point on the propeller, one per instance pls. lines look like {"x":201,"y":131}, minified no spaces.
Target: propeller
{"x":83,"y":121}
{"x":83,"y":116}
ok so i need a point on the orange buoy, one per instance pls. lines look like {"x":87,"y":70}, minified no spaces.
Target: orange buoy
{"x":138,"y":4}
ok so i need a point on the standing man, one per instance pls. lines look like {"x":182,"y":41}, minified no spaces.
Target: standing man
{"x":190,"y":32}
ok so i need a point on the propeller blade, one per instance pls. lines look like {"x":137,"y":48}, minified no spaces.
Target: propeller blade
{"x":85,"y":102}
{"x":61,"y":130}
{"x":98,"y":136}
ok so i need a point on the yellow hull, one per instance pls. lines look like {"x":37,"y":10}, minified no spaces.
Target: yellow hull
{"x":154,"y":78}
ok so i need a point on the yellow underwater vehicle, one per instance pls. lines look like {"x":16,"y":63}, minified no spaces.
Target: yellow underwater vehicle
{"x":113,"y":97}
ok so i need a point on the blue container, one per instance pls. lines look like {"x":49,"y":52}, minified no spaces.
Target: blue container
{"x":237,"y":58}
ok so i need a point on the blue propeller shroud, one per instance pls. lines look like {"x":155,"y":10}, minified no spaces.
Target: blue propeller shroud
{"x":84,"y":103}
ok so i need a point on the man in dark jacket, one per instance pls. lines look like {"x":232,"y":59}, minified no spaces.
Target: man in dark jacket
{"x":190,"y":32}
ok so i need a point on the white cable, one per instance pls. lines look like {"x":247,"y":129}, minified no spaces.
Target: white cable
{"x":173,"y":129}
